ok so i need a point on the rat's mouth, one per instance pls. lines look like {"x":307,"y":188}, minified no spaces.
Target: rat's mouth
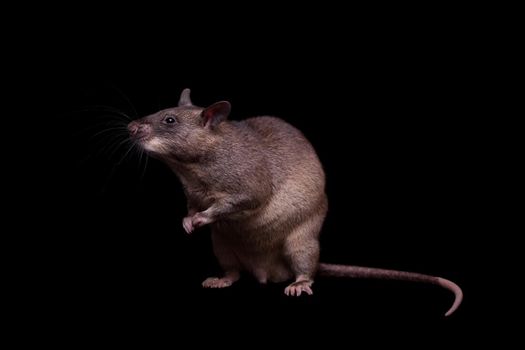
{"x":141,"y":139}
{"x":154,"y":145}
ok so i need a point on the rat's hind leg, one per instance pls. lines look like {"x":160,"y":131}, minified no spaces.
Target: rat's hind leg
{"x":302,"y":251}
{"x":228,"y":261}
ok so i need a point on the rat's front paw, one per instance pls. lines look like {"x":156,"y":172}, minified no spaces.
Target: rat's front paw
{"x":187,"y":224}
{"x":199,"y":219}
{"x":190,"y":223}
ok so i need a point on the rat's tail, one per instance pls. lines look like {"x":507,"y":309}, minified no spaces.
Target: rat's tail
{"x":370,"y":272}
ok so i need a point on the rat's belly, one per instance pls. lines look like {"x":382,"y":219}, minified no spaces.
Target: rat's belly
{"x":258,"y":252}
{"x":263,"y":266}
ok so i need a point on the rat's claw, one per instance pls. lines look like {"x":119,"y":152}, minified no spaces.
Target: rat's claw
{"x":290,"y":291}
{"x":187,"y":224}
{"x":287,"y":290}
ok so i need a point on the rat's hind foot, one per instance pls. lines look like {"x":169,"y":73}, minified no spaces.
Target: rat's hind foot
{"x":215,"y":282}
{"x":296,"y":288}
{"x":226,"y":281}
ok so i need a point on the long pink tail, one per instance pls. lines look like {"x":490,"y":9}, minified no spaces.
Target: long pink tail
{"x":370,"y":272}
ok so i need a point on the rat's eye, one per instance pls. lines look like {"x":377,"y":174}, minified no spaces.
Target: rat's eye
{"x":169,"y":120}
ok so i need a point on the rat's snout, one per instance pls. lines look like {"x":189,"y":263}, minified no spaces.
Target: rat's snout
{"x":138,"y":130}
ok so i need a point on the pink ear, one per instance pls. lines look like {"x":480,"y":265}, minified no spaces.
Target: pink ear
{"x":216,"y":113}
{"x":185,"y":99}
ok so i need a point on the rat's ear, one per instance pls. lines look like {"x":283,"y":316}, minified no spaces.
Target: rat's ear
{"x":184,"y":99}
{"x":216,"y":113}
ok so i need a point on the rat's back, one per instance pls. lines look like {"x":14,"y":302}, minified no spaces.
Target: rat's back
{"x":288,"y":152}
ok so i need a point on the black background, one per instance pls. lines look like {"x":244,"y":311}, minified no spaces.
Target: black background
{"x":386,"y":106}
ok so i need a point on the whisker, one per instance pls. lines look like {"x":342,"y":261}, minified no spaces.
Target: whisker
{"x":116,"y":165}
{"x":97,"y":150}
{"x":105,"y":108}
{"x":103,"y":146}
{"x":128,"y":101}
{"x":123,"y":128}
{"x":145,"y":164}
{"x":108,"y":179}
{"x":125,"y":154}
{"x":103,"y":124}
{"x":117,"y":146}
{"x":140,"y":156}
{"x":97,"y":109}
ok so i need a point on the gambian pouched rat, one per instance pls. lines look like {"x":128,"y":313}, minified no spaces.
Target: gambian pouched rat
{"x":260,"y":185}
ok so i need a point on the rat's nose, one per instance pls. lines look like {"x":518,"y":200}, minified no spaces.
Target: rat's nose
{"x":133,"y":127}
{"x":137,"y":129}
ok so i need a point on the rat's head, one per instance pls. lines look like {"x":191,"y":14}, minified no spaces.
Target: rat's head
{"x":183,"y":133}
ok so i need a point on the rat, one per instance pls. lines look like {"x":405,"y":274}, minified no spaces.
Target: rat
{"x":260,"y":185}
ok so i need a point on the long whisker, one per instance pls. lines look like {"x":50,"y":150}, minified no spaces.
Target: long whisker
{"x":108,"y":179}
{"x":112,"y":147}
{"x":98,"y":150}
{"x":116,"y":165}
{"x":101,"y":125}
{"x":126,"y":99}
{"x":140,"y":155}
{"x":123,"y":128}
{"x":102,"y":146}
{"x":107,"y":124}
{"x":117,"y":146}
{"x":104,"y":108}
{"x":125,"y":154}
{"x":98,"y":111}
{"x":145,"y":164}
